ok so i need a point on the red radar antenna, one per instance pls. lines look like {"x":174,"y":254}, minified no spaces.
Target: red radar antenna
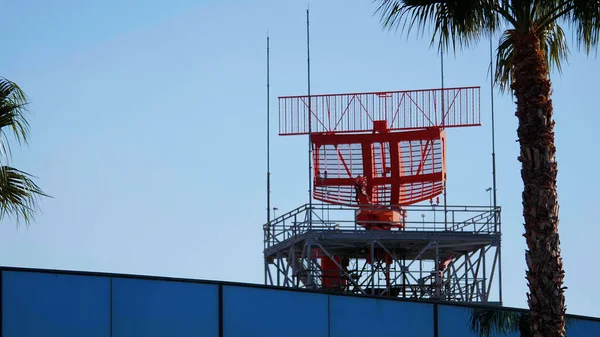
{"x":379,"y":151}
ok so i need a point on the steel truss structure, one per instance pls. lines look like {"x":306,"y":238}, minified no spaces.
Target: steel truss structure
{"x":427,"y":258}
{"x":403,"y":110}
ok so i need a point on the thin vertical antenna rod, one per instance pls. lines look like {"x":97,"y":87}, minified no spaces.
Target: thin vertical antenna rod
{"x":268,"y":158}
{"x":443,"y":124}
{"x":268,"y":142}
{"x":494,"y":166}
{"x":309,"y":120}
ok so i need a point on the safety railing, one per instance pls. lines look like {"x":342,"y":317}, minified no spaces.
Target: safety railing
{"x":414,"y":218}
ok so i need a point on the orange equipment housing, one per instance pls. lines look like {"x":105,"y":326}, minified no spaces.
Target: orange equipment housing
{"x":377,"y":151}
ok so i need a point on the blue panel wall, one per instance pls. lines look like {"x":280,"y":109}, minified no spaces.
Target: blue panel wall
{"x":582,"y":328}
{"x":354,"y":316}
{"x":152,"y":308}
{"x":64,"y":305}
{"x":454,"y":321}
{"x":255,"y":312}
{"x":39,"y":304}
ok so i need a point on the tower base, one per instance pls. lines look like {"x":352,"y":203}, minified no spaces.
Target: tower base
{"x":328,"y":248}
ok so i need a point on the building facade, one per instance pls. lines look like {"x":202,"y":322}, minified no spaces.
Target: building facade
{"x":60,"y":303}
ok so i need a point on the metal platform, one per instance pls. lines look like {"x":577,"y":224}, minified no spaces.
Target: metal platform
{"x":295,"y":242}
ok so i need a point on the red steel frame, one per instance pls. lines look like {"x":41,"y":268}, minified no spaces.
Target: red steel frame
{"x":403,"y":110}
{"x":401,"y":168}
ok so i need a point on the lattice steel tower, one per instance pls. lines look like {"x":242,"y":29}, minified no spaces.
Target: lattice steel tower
{"x":379,"y":166}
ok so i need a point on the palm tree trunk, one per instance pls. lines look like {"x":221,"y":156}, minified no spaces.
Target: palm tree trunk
{"x":525,"y":325}
{"x":540,"y":200}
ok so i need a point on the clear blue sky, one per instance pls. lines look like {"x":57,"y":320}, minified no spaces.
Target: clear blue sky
{"x":148,"y":130}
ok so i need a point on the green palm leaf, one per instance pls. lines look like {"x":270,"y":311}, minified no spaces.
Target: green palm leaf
{"x":485,"y":322}
{"x":584,"y":15}
{"x":13,"y":110}
{"x":461,"y":23}
{"x":489,"y":322}
{"x":553,"y":44}
{"x":455,"y":23}
{"x":19,"y":194}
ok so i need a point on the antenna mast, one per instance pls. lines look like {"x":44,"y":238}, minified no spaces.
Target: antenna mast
{"x":494,"y":167}
{"x":268,"y":142}
{"x":444,"y":124}
{"x":309,"y":120}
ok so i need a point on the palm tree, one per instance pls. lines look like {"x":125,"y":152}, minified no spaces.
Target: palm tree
{"x":19,"y":194}
{"x":486,"y":322}
{"x":532,"y":41}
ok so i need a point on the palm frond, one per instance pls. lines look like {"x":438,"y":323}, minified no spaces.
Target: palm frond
{"x":552,"y":42}
{"x":504,"y":61}
{"x":585,"y":16}
{"x":489,"y":322}
{"x":19,"y":194}
{"x":13,"y":110}
{"x":454,"y":22}
{"x":554,"y":45}
{"x":9,"y":88}
{"x":484,"y":322}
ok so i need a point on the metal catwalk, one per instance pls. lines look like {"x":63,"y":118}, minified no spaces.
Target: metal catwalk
{"x":423,"y":257}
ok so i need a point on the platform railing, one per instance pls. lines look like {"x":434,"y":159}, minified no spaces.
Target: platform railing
{"x":415,"y":218}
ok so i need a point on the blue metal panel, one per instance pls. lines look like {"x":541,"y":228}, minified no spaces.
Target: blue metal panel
{"x":360,"y":317}
{"x":152,"y":308}
{"x":39,"y":304}
{"x":255,"y":312}
{"x":582,"y":328}
{"x":454,"y":321}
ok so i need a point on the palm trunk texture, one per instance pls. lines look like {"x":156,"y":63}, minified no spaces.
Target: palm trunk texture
{"x":545,"y":273}
{"x":525,"y":325}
